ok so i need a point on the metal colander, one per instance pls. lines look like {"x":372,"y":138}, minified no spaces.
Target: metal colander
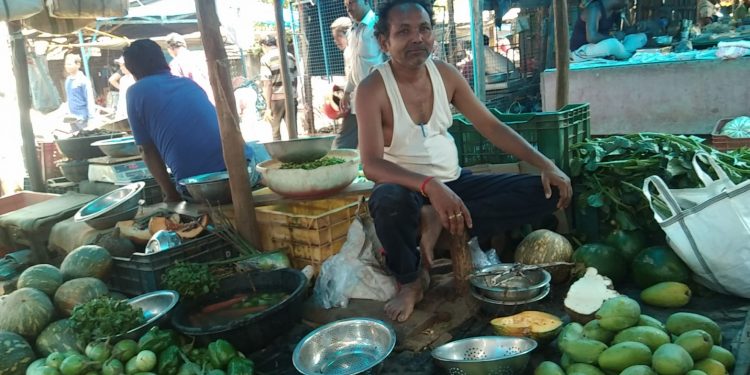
{"x":489,"y":355}
{"x":349,"y":346}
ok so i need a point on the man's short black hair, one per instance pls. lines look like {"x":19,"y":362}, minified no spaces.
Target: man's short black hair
{"x":269,"y":41}
{"x":381,"y":27}
{"x":144,"y":58}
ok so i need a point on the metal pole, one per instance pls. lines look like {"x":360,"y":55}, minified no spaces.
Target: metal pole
{"x":23,"y":91}
{"x":291,"y":108}
{"x":477,"y":47}
{"x":323,"y":41}
{"x":84,"y":56}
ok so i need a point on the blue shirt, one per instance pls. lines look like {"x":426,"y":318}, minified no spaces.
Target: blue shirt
{"x":175,"y":115}
{"x":76,"y":89}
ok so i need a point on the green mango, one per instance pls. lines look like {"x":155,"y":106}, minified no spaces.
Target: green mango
{"x":681,"y":322}
{"x":619,"y":313}
{"x":571,"y":332}
{"x":584,"y":369}
{"x":548,"y":368}
{"x":710,"y":367}
{"x":638,"y":370}
{"x":592,"y":330}
{"x":668,"y":294}
{"x":584,"y":350}
{"x":565,"y":361}
{"x":722,"y":355}
{"x":650,"y":336}
{"x":695,"y":372}
{"x":623,"y":355}
{"x":650,"y":321}
{"x":671,"y":359}
{"x":697,"y":343}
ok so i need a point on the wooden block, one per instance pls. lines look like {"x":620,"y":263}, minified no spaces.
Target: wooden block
{"x":462,"y":267}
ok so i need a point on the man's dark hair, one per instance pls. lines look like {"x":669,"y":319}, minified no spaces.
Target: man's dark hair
{"x":269,"y":41}
{"x":383,"y":24}
{"x":144,"y":58}
{"x":485,"y":40}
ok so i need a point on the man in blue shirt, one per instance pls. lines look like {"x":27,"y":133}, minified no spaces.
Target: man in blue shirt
{"x":172,"y":119}
{"x":78,"y":92}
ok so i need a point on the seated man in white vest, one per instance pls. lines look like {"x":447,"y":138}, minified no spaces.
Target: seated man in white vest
{"x":407,"y":151}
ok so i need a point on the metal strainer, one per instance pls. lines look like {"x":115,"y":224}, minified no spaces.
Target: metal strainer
{"x":488,"y":355}
{"x":349,"y":346}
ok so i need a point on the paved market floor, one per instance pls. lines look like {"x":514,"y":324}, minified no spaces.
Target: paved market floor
{"x":731,"y":313}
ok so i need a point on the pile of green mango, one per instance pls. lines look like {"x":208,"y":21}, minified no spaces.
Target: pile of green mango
{"x":623,"y":341}
{"x":157,"y":352}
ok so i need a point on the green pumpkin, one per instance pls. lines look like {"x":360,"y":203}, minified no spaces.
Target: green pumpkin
{"x":658,"y":264}
{"x":16,"y":354}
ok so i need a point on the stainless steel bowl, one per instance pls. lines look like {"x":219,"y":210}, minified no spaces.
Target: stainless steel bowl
{"x":118,"y":147}
{"x":108,"y":221}
{"x":300,"y":150}
{"x":212,"y":187}
{"x":349,"y":346}
{"x":113,"y":203}
{"x":489,"y":355}
{"x":512,"y":284}
{"x":80,"y":148}
{"x":156,"y":307}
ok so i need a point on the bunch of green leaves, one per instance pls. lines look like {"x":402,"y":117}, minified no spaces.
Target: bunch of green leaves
{"x":191,"y":280}
{"x":104,"y":317}
{"x":608,"y":173}
{"x":317,"y":163}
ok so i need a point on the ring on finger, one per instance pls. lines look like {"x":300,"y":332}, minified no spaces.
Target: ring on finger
{"x":451,"y":216}
{"x":459,"y":214}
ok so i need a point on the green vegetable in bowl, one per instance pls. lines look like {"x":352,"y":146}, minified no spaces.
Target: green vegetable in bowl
{"x":104,"y":317}
{"x":191,"y":280}
{"x":322,"y":162}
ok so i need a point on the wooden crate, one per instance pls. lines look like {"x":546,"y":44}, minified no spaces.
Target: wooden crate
{"x":312,"y":231}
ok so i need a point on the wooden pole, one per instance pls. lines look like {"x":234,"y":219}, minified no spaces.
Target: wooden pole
{"x":306,"y":78}
{"x":452,"y":48}
{"x":477,"y":42}
{"x":232,"y":143}
{"x":23,"y":90}
{"x":291,"y":108}
{"x":562,"y":51}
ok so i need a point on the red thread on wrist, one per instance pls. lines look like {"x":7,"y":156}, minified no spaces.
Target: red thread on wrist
{"x":424,"y":183}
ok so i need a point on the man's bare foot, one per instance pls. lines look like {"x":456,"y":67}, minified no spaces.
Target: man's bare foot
{"x":430,"y":228}
{"x":400,"y":307}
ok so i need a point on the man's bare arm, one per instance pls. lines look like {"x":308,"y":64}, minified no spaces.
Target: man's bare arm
{"x":502,"y":136}
{"x":593,"y":15}
{"x":371,"y":142}
{"x":158,"y":170}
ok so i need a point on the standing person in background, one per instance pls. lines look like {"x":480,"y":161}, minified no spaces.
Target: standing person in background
{"x":273,"y":87}
{"x":364,"y":52}
{"x":79,"y":93}
{"x":347,"y":134}
{"x":121,"y":80}
{"x":706,"y":12}
{"x":741,"y":12}
{"x":186,"y":64}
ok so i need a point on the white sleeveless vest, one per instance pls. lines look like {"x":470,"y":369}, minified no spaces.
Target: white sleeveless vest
{"x":425,"y":149}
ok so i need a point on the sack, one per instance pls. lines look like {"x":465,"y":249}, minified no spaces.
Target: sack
{"x":356,"y":271}
{"x":87,"y":8}
{"x":56,"y":26}
{"x":12,"y":10}
{"x":708,"y":228}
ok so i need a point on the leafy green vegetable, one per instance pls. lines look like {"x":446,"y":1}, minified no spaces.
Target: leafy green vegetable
{"x":191,"y":280}
{"x":104,"y":317}
{"x":322,"y":162}
{"x":608,"y":174}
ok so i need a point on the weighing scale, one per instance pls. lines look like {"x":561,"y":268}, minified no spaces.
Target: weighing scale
{"x":118,"y":171}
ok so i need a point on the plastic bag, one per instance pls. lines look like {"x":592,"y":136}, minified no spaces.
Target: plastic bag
{"x":478,"y":257}
{"x":44,"y":95}
{"x":355,"y":272}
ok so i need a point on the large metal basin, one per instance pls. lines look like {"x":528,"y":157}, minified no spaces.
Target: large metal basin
{"x":80,"y":148}
{"x":120,"y":201}
{"x":313,"y":183}
{"x":300,"y":150}
{"x":122,"y":147}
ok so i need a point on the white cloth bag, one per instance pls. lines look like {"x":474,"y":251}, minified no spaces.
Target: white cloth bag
{"x":708,"y":228}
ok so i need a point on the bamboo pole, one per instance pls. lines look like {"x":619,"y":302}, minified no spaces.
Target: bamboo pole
{"x":562,"y":51}
{"x":306,"y":78}
{"x":23,"y":91}
{"x":232,"y":143}
{"x":291,"y":108}
{"x":452,"y":48}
